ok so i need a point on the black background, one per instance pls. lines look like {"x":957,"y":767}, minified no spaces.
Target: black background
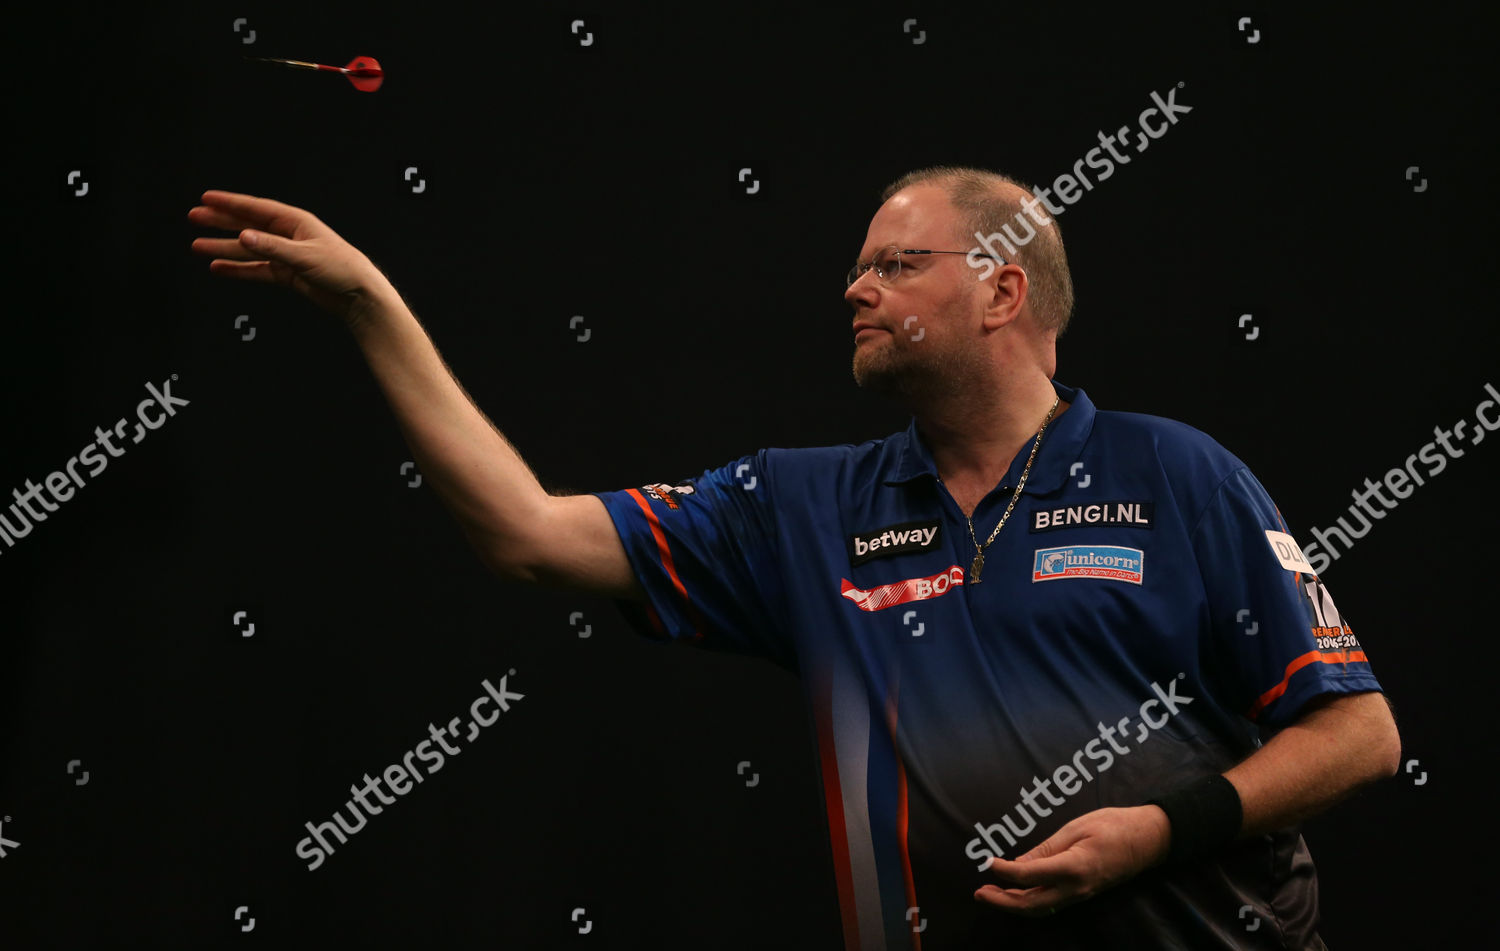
{"x":599,"y":181}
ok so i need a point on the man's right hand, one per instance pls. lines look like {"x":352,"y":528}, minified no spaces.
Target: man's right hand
{"x":516,"y":527}
{"x":292,"y":247}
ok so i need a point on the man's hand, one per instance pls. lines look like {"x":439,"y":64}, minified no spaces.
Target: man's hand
{"x":290,"y":247}
{"x":1093,"y":852}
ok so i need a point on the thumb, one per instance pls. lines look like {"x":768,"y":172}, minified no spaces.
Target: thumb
{"x":270,"y":245}
{"x":273,"y":258}
{"x":1052,"y":845}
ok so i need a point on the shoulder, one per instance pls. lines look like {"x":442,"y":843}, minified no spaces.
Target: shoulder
{"x":795,"y":470}
{"x":871,"y":454}
{"x":1182,"y":450}
{"x":792,"y":478}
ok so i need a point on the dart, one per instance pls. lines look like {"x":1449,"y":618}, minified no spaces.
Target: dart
{"x":363,"y":71}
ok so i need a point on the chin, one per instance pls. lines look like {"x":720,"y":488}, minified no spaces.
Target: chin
{"x":877,"y":380}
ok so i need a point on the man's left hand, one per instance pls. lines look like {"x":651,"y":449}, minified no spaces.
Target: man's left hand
{"x":1093,"y":852}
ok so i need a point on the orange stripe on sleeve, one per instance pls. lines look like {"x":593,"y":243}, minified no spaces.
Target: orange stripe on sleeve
{"x":665,"y":554}
{"x":1311,"y":657}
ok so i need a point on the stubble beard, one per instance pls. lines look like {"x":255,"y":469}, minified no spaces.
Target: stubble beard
{"x":913,"y":372}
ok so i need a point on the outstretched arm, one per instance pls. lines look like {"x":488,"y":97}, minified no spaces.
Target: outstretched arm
{"x":517,"y":528}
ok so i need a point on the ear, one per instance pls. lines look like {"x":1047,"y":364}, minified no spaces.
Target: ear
{"x":1006,"y":295}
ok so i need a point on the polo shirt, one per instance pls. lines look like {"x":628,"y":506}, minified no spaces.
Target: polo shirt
{"x":1143,"y":619}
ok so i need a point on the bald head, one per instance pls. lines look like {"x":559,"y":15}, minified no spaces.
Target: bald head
{"x":990,"y":204}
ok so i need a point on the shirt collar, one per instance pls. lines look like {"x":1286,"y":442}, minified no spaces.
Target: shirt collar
{"x":1062,"y":444}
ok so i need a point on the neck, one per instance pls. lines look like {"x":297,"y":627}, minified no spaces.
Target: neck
{"x":975,"y":437}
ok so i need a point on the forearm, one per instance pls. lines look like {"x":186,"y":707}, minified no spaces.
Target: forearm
{"x":475,"y":471}
{"x":1316,"y":761}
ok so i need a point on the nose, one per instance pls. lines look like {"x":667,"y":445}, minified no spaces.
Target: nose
{"x":865,"y":290}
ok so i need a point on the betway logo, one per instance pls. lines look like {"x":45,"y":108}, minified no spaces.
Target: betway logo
{"x":900,"y":592}
{"x":890,"y":539}
{"x":893,"y":540}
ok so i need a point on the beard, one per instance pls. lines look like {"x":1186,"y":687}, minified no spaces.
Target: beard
{"x":913,"y":372}
{"x":928,"y":371}
{"x":883,"y":366}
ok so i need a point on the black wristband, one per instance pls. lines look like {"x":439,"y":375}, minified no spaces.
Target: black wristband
{"x":1205,"y":816}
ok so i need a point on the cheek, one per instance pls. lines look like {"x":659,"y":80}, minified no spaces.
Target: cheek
{"x":924,"y":321}
{"x":962,"y":302}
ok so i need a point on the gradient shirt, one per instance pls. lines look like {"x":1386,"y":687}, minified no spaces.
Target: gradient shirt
{"x":1141,"y":618}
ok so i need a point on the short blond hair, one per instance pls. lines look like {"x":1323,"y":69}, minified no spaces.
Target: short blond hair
{"x":984,"y":209}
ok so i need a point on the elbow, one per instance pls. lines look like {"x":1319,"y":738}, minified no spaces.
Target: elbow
{"x":1373,"y":730}
{"x":498,"y":558}
{"x":1388,"y":762}
{"x":1392,"y":764}
{"x":505,"y":563}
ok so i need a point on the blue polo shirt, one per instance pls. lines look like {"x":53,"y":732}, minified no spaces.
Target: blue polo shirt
{"x":1139,"y":621}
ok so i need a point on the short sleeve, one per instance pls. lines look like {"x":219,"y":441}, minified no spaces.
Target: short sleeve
{"x":706,"y":552}
{"x":1274,"y":624}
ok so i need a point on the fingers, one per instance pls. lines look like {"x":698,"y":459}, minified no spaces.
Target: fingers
{"x":1049,"y":887}
{"x":1030,"y":902}
{"x":1042,"y":871}
{"x":216,"y":218}
{"x":233,"y":259}
{"x":244,"y":270}
{"x":260,"y":212}
{"x":234,"y":211}
{"x":224,"y":248}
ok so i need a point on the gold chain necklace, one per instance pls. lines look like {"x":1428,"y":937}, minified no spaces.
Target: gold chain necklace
{"x":978,"y":562}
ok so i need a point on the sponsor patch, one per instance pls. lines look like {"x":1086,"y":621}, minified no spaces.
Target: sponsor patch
{"x":1331,"y":631}
{"x":1132,"y":514}
{"x":662,"y":492}
{"x":894,"y":540}
{"x":1288,"y":553}
{"x":1336,"y":638}
{"x":1088,"y":561}
{"x":900,"y":592}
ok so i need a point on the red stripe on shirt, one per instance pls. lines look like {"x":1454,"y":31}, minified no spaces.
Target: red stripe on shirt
{"x":833,"y":798}
{"x":902,"y":819}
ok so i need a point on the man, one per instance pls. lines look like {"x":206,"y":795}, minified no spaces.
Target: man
{"x":1040,"y":643}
